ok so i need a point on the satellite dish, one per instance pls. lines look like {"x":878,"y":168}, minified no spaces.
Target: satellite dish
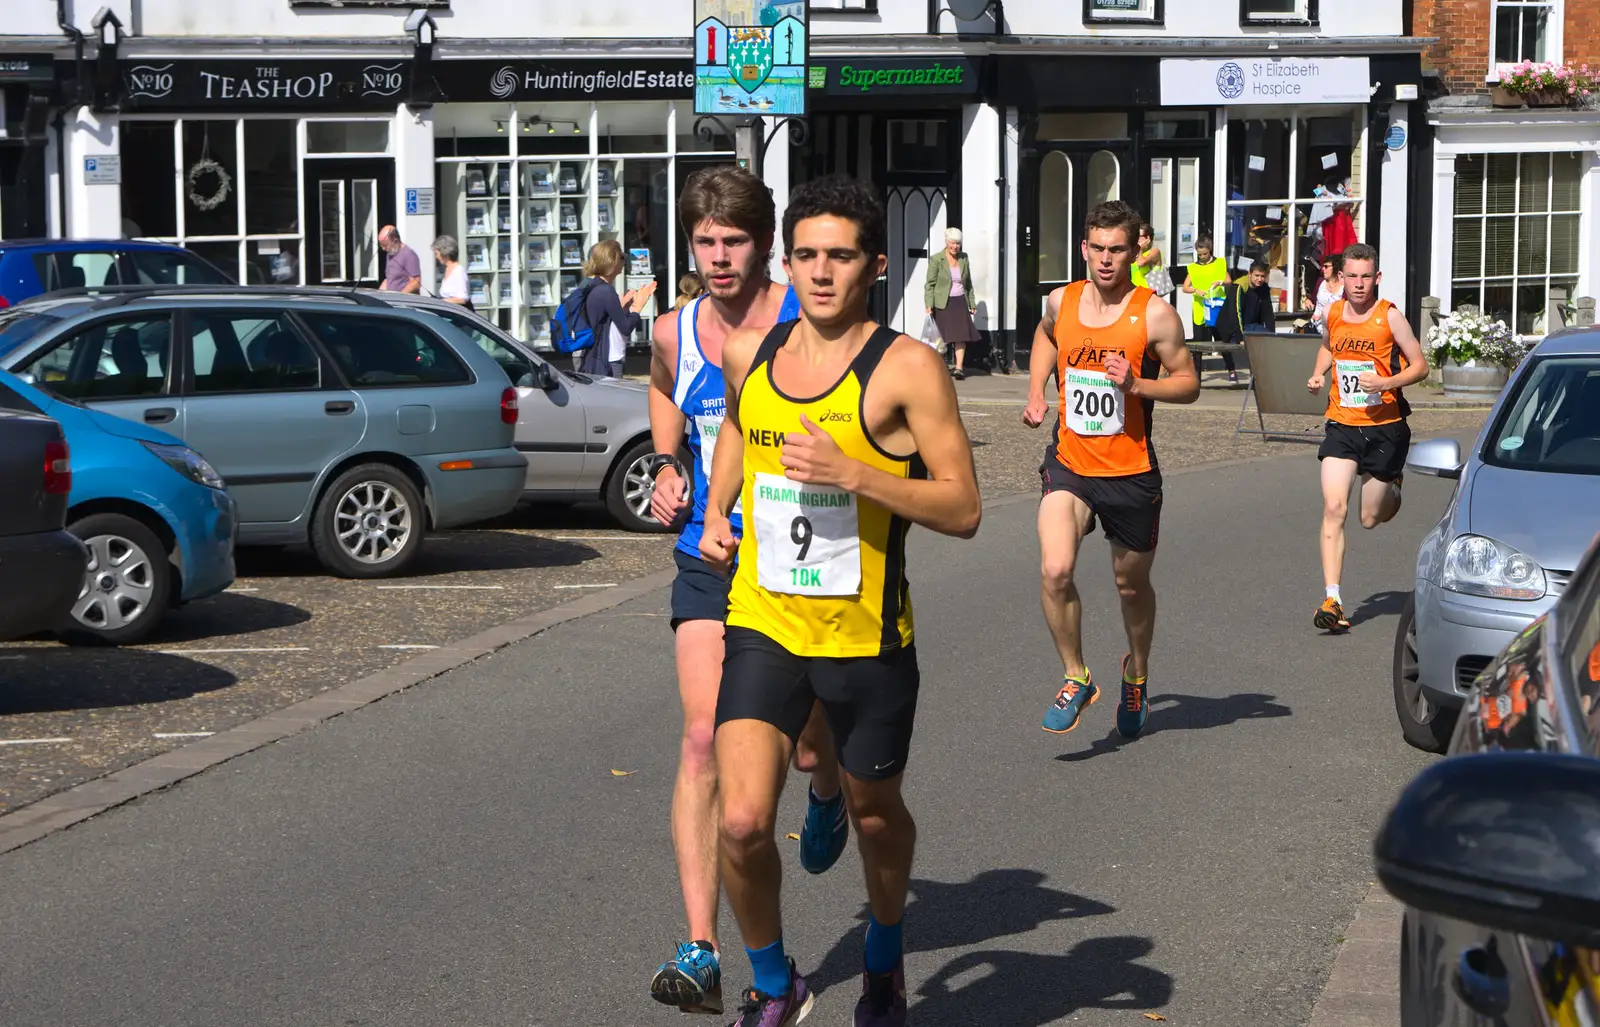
{"x":967,"y":10}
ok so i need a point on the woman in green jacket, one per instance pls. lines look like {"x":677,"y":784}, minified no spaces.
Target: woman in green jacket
{"x":949,"y":280}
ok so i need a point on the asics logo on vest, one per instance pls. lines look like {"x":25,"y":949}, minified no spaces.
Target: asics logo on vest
{"x":836,"y":415}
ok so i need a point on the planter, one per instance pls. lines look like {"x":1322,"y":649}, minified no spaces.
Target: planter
{"x":1500,"y":96}
{"x":1480,"y":382}
{"x":1548,"y":98}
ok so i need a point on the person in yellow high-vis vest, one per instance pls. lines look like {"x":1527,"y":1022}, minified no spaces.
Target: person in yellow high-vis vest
{"x":1202,"y":277}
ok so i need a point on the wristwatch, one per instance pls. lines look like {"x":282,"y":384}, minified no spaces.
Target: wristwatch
{"x":661,"y":460}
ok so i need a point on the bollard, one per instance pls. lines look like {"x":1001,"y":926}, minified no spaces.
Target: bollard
{"x":1585,"y":314}
{"x":1425,"y":322}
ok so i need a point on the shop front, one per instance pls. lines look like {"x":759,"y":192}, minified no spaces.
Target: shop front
{"x":27,"y":83}
{"x":538,"y":161}
{"x":277,"y":171}
{"x":1277,"y":159}
{"x":917,"y":129}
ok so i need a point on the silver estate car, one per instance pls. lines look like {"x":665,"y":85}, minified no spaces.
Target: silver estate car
{"x":1526,"y":507}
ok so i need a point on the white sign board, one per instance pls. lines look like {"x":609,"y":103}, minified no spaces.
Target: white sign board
{"x":106,"y":169}
{"x":1266,"y":80}
{"x":419,"y":201}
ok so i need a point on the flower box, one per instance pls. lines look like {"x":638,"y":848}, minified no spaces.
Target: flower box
{"x":1500,"y":96}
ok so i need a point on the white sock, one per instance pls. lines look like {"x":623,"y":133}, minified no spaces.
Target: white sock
{"x":1333,"y":593}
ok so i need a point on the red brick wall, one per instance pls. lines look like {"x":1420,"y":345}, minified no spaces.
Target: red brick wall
{"x":1461,"y":56}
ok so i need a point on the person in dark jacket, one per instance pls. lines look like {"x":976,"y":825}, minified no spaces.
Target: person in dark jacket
{"x":1246,"y":307}
{"x":614,"y":318}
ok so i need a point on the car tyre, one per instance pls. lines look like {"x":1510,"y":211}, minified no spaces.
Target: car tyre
{"x":127,"y":587}
{"x":369,"y":523}
{"x":1423,"y":722}
{"x":627,"y":493}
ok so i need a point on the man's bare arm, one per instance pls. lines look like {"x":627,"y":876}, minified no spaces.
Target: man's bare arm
{"x":1042,"y":358}
{"x":666,"y":420}
{"x":1164,"y":333}
{"x":727,"y":470}
{"x":1416,"y":361}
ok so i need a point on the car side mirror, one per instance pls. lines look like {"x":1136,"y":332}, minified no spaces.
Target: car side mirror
{"x":1440,"y":458}
{"x":545,"y":377}
{"x":1506,"y":841}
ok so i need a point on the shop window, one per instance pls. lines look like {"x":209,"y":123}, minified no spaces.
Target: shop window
{"x":271,"y":181}
{"x":347,"y":137}
{"x":1522,"y":30}
{"x":1270,"y":12}
{"x":149,"y":180}
{"x":1294,"y":194}
{"x":1516,"y":231}
{"x":918,"y":144}
{"x":211,"y":177}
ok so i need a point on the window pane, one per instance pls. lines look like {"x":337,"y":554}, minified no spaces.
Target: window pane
{"x":159,"y":268}
{"x":364,"y":226}
{"x":1497,"y":300}
{"x":272,"y":197}
{"x":272,"y":262}
{"x":18,"y":326}
{"x":118,"y":359}
{"x":347,"y":137}
{"x":225,"y":255}
{"x":217,"y":142}
{"x":1535,"y":20}
{"x":149,"y":180}
{"x":1324,"y":158}
{"x":330,"y":230}
{"x":1469,"y":185}
{"x":1508,"y":35}
{"x":1564,"y":243}
{"x":1055,"y":214}
{"x":1567,"y":172}
{"x":1502,"y":174}
{"x":512,"y":362}
{"x":1532,"y":300}
{"x":1273,"y":8}
{"x":250,"y":352}
{"x":1467,"y":258}
{"x":1105,"y":178}
{"x":1465,"y":294}
{"x":76,"y":270}
{"x":1533,"y":193}
{"x":918,"y":145}
{"x":1533,"y":245}
{"x":1258,"y":160}
{"x":1499,"y":246}
{"x":386,"y":351}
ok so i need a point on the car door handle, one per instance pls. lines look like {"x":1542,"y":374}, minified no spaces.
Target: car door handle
{"x":160,"y":415}
{"x":1482,"y":982}
{"x":339,"y":406}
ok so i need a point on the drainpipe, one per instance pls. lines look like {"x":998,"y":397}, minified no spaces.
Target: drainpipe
{"x":75,"y":98}
{"x":1006,"y":358}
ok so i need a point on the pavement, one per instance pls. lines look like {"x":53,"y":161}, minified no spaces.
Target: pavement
{"x":490,"y":845}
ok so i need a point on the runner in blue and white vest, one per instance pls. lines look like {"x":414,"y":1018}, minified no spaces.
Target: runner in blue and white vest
{"x":728,"y":215}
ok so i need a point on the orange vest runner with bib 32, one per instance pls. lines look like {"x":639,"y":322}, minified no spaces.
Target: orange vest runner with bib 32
{"x":1357,"y":347}
{"x":1103,"y":432}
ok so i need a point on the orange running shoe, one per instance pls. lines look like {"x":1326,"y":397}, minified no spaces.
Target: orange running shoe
{"x":1330,"y":616}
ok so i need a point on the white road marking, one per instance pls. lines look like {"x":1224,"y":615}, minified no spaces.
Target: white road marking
{"x":609,"y":584}
{"x":244,"y":590}
{"x":605,"y":538}
{"x":13,"y":657}
{"x":408,"y":647}
{"x":417,"y":588}
{"x":207,"y":652}
{"x":974,"y":413}
{"x":182,"y":734}
{"x":33,"y":741}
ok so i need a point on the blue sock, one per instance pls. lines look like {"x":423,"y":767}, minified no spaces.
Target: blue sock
{"x":883,"y":946}
{"x":772,"y":969}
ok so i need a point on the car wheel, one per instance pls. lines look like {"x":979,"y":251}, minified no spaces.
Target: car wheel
{"x":127,"y":586}
{"x":1425,"y":723}
{"x":369,"y":523}
{"x":628,"y":490}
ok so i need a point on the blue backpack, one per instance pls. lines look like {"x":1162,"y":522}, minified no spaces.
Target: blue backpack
{"x":570,"y":330}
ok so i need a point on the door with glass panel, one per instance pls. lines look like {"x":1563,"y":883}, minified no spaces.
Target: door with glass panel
{"x":1064,"y":184}
{"x":347,"y":203}
{"x":1180,"y":180}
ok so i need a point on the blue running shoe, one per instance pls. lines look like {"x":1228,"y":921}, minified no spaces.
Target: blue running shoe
{"x":692,"y":980}
{"x":826,"y":829}
{"x":1075,"y":694}
{"x":1135,"y":707}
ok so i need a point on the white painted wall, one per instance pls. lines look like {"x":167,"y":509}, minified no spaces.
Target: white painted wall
{"x":1396,"y":213}
{"x":412,"y":140}
{"x":980,"y":207}
{"x":621,"y":19}
{"x":93,"y":211}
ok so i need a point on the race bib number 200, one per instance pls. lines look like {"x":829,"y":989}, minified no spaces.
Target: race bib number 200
{"x":1351,"y":394}
{"x":808,"y":538}
{"x":1091,"y":404}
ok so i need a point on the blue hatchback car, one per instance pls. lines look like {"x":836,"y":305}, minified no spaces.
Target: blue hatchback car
{"x":156,"y":518}
{"x":29,"y":267}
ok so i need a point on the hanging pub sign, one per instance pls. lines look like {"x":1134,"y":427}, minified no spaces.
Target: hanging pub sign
{"x":236,"y":85}
{"x":750,"y":56}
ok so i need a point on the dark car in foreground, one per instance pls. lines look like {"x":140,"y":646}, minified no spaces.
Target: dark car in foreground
{"x":41,"y":564}
{"x":1496,"y":850}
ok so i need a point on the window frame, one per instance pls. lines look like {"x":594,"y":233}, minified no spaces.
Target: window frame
{"x":1309,"y":15}
{"x":1156,"y":15}
{"x":1553,"y":42}
{"x":328,"y":376}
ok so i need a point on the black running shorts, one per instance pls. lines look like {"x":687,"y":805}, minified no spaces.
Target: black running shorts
{"x":698,"y":592}
{"x":1128,"y":506}
{"x":1379,"y":451}
{"x":870,"y":701}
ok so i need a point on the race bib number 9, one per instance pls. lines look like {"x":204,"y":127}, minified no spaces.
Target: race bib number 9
{"x":808,"y":538}
{"x":1351,"y":394}
{"x":1092,"y":405}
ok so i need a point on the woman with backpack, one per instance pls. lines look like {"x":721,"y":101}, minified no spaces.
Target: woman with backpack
{"x":614,"y":318}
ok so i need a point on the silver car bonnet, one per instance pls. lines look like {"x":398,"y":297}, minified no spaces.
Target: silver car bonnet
{"x":1550,"y":517}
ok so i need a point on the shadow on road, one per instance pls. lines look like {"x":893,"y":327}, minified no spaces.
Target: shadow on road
{"x":445,"y":553}
{"x":47,"y":680}
{"x":227,"y":614}
{"x":1188,"y":713}
{"x":1027,"y":989}
{"x":1379,"y":604}
{"x":941,"y":915}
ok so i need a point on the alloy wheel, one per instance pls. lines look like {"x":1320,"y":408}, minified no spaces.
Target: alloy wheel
{"x":372,"y":522}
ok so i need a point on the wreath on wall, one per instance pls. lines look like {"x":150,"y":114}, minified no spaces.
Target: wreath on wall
{"x":202,"y":168}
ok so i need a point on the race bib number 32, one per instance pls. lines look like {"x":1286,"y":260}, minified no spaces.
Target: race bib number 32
{"x":808,"y":538}
{"x":1351,"y":394}
{"x":1091,"y":404}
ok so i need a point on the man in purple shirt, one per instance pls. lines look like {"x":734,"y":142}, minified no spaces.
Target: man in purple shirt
{"x":404,"y":272}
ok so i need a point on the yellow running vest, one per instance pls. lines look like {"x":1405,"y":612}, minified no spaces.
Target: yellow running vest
{"x":821,"y":571}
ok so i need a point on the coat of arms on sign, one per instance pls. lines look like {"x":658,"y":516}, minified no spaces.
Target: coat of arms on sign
{"x":750,"y":56}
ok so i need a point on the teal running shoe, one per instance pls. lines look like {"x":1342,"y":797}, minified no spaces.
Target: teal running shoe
{"x":1135,"y":707}
{"x":824,"y":833}
{"x":692,"y":980}
{"x":1075,"y":695}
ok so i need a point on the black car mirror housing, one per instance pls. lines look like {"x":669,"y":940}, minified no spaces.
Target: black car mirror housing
{"x":1507,"y":841}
